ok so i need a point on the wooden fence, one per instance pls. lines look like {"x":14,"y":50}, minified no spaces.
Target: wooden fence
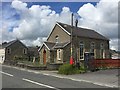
{"x":106,"y":63}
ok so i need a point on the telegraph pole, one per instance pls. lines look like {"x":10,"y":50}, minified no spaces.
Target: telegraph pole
{"x":71,"y":33}
{"x":71,"y":49}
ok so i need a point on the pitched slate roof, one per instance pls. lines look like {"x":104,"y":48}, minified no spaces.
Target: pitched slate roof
{"x":49,"y":45}
{"x":4,"y":45}
{"x":53,"y":46}
{"x":60,"y":45}
{"x":82,"y":32}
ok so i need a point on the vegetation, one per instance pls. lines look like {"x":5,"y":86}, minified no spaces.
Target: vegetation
{"x":25,"y":61}
{"x":35,"y":64}
{"x":20,"y":58}
{"x":68,"y":69}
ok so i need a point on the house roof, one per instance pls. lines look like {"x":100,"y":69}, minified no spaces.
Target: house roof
{"x":53,"y":46}
{"x":82,"y":32}
{"x":49,"y":45}
{"x":4,"y":45}
{"x":60,"y":45}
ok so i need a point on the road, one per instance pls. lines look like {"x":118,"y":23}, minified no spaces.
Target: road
{"x":15,"y":78}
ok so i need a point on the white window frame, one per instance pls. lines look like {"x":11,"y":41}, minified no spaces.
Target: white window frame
{"x":59,"y":54}
{"x":24,"y":51}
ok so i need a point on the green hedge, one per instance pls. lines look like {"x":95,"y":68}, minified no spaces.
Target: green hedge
{"x":68,"y":69}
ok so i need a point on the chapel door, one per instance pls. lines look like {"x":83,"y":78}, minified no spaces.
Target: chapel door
{"x":44,"y":57}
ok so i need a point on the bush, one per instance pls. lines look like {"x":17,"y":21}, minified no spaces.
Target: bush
{"x":68,"y":69}
{"x":82,"y":68}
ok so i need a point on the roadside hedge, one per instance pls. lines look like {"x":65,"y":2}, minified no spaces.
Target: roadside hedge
{"x":68,"y":69}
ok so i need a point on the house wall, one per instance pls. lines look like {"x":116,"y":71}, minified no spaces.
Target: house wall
{"x":47,"y":55}
{"x":53,"y":56}
{"x":2,"y":55}
{"x":16,"y":49}
{"x":87,"y":42}
{"x":59,"y":56}
{"x":66,"y":54}
{"x":63,"y":36}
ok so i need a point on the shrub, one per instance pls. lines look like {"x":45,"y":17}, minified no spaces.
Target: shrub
{"x":82,"y":68}
{"x":68,"y":69}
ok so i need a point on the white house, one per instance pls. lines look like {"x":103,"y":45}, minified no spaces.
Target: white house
{"x":2,"y":55}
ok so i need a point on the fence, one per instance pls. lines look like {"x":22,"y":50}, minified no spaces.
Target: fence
{"x":106,"y":63}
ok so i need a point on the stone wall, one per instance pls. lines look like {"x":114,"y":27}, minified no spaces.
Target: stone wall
{"x":16,"y":50}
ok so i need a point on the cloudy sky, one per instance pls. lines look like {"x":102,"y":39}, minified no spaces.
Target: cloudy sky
{"x":31,"y":22}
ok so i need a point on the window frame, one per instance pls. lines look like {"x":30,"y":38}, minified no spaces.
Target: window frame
{"x":8,"y":50}
{"x":59,"y":54}
{"x":24,"y":51}
{"x":56,"y":39}
{"x":92,"y":47}
{"x":81,"y":48}
{"x":101,"y":50}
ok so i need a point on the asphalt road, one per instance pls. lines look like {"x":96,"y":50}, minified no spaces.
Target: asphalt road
{"x":14,"y":78}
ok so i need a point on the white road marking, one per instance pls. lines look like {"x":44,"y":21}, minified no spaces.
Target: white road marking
{"x":111,"y":86}
{"x":46,"y":74}
{"x":53,"y":75}
{"x":29,"y":71}
{"x":36,"y":72}
{"x":39,"y":84}
{"x":79,"y":80}
{"x":96,"y":83}
{"x":6,"y":73}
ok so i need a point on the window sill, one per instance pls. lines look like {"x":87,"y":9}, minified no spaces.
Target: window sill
{"x":81,"y":59}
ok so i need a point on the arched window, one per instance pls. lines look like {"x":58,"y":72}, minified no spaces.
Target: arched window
{"x":56,"y":38}
{"x":101,"y":50}
{"x":59,"y":54}
{"x":92,"y":47}
{"x":24,"y":51}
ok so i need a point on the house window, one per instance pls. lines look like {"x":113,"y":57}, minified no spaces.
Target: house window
{"x":9,"y":51}
{"x":24,"y":51}
{"x":101,"y":50}
{"x":92,"y":47}
{"x":81,"y":50}
{"x":56,"y":38}
{"x":59,"y":54}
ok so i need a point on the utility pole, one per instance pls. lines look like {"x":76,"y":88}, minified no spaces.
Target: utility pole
{"x":71,"y":48}
{"x":71,"y":33}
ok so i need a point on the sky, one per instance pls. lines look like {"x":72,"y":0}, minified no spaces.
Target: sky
{"x":31,"y":22}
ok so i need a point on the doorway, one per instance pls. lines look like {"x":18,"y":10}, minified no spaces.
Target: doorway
{"x":44,"y":57}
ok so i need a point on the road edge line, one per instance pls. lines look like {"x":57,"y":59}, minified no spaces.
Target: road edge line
{"x":6,"y":73}
{"x":40,"y":84}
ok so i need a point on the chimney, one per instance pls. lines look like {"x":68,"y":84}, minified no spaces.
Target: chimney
{"x":76,"y":23}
